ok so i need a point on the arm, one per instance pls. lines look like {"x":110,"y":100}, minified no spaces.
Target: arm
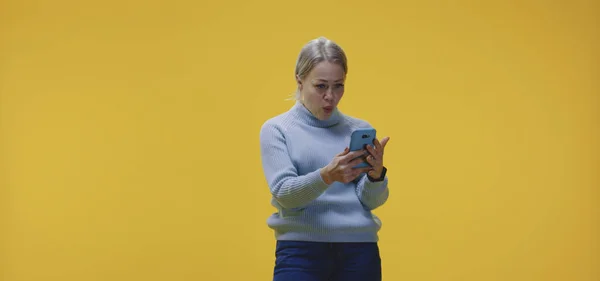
{"x":287,"y":187}
{"x":372,"y":194}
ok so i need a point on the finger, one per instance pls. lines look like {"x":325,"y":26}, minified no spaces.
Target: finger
{"x":350,"y":175}
{"x":377,"y":144}
{"x":353,"y":154}
{"x":356,"y":161}
{"x":371,"y":160}
{"x":384,"y":141}
{"x":363,"y":170}
{"x":371,"y":149}
{"x":357,"y":171}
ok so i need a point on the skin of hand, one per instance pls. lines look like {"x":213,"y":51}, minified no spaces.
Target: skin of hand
{"x":375,"y":159}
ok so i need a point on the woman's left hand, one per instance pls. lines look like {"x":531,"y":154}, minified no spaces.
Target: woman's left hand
{"x":376,"y":157}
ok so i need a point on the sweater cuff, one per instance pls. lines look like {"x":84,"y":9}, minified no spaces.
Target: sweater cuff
{"x":374,"y":184}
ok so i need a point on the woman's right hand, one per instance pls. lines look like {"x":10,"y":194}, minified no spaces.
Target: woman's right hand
{"x":341,"y":168}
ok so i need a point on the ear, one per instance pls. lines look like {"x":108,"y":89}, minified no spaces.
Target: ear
{"x":299,"y":82}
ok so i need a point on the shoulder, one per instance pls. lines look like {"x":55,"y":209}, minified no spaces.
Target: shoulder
{"x":276,"y":125}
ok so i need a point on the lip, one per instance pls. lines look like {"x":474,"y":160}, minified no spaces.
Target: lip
{"x":328,"y":108}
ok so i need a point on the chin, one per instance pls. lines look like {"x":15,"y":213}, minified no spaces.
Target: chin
{"x":325,"y":116}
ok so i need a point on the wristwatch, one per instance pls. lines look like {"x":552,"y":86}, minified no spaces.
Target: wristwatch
{"x":381,"y":177}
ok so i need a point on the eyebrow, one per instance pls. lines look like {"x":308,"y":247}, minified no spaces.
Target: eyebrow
{"x":323,"y":80}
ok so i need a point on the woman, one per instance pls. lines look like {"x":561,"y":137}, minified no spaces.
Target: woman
{"x":323,"y":225}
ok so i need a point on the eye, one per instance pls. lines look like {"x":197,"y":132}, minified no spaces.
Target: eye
{"x":340,"y":85}
{"x":320,"y":86}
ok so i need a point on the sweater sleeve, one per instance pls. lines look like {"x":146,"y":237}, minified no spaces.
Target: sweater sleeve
{"x":287,"y":187}
{"x":372,"y":194}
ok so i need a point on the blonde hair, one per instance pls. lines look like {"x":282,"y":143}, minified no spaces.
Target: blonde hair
{"x":316,"y":51}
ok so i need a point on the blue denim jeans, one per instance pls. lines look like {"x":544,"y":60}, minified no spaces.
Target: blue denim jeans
{"x":319,"y":261}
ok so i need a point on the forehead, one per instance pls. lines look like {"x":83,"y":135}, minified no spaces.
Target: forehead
{"x":327,"y":71}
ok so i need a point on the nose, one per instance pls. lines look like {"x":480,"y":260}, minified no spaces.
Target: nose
{"x":328,"y":94}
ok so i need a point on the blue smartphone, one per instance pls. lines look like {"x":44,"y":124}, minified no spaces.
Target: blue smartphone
{"x":359,"y":139}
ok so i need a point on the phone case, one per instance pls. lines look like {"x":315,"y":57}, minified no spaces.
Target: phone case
{"x":359,"y":139}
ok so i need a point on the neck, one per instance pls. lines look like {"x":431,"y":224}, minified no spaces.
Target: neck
{"x":309,"y":118}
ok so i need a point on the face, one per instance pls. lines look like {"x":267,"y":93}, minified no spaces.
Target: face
{"x":322,"y":89}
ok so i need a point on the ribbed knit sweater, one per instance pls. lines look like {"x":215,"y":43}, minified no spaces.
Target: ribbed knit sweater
{"x":294,"y":146}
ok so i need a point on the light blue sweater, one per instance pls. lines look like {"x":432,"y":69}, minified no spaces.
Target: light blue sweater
{"x":295,"y":145}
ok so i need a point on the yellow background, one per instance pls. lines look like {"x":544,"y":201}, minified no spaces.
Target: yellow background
{"x":129,"y":135}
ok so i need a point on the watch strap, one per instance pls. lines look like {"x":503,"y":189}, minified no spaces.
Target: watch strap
{"x":381,"y":177}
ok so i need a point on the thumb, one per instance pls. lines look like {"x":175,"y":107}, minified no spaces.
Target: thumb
{"x":384,"y":141}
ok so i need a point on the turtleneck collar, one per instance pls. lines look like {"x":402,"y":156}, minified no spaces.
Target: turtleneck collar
{"x":310,"y":119}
